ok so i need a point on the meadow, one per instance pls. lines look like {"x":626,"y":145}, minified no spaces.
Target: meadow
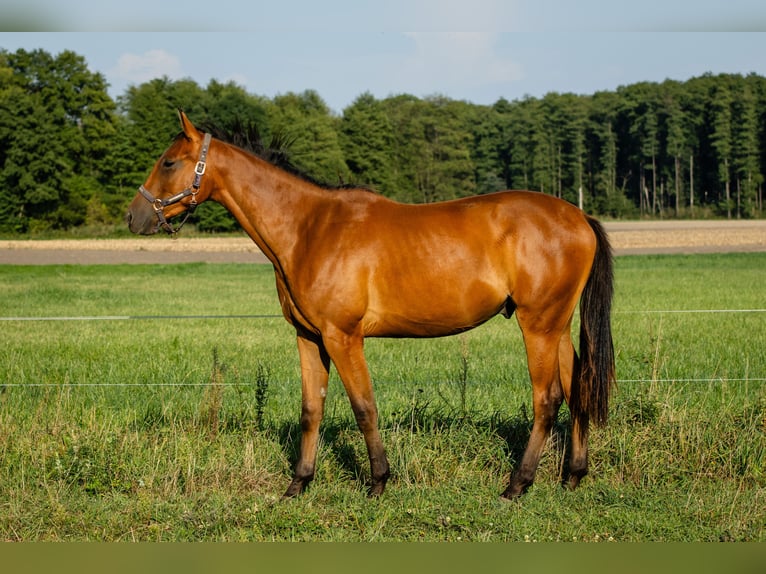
{"x":166,"y":409}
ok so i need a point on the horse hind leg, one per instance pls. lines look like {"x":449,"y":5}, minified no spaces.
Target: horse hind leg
{"x":569,"y":368}
{"x":543,"y":364}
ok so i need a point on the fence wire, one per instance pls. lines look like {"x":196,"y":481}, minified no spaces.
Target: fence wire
{"x":69,"y":384}
{"x":267,"y":316}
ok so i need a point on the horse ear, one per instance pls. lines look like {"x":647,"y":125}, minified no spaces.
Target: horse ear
{"x":188,"y":128}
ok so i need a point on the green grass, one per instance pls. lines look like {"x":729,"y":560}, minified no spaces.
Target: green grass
{"x":187,"y":429}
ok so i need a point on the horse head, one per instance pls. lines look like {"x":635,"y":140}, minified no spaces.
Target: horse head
{"x":175,"y":185}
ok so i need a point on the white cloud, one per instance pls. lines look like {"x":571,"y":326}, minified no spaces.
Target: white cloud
{"x":139,"y":68}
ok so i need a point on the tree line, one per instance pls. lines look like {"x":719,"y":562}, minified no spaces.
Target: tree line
{"x":72,"y":156}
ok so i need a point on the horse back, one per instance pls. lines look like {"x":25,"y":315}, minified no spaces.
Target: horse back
{"x":395,"y":269}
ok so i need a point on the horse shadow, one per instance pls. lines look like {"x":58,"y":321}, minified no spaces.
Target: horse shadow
{"x":335,"y":438}
{"x":339,"y":435}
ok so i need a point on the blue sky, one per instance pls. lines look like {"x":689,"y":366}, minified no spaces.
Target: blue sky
{"x":478,"y":51}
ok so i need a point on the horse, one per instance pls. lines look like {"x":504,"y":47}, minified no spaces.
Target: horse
{"x":353,"y":264}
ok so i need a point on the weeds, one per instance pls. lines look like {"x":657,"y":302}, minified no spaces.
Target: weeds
{"x":212,"y":399}
{"x":460,"y":381}
{"x":212,"y":402}
{"x":262,"y":376}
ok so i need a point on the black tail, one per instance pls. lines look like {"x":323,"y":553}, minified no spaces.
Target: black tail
{"x":590,"y":397}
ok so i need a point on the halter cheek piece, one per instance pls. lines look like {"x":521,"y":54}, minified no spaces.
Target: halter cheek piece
{"x":160,"y":204}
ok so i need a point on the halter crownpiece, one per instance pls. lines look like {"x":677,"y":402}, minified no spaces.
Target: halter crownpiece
{"x":160,"y":204}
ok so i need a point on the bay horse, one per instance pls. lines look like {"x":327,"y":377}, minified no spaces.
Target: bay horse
{"x":353,"y":264}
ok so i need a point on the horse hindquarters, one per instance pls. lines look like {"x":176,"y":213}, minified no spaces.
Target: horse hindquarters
{"x":554,"y":368}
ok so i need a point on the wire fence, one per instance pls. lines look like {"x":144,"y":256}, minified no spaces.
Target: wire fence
{"x":268,"y":316}
{"x":681,"y":311}
{"x":69,"y":384}
{"x":137,"y":317}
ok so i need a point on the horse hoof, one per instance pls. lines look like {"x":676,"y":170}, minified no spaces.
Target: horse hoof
{"x":296,"y":487}
{"x":376,"y":489}
{"x":514,"y":492}
{"x":572,"y":482}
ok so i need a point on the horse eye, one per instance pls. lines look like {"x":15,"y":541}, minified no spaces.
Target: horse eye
{"x":168,"y":163}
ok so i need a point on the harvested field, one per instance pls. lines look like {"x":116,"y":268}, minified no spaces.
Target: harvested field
{"x":628,"y":238}
{"x":647,"y":237}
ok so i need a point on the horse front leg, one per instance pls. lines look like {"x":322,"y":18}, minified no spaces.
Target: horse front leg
{"x":347,"y":353}
{"x":315,"y":369}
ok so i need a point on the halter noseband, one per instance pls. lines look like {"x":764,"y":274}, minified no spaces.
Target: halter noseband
{"x":160,"y":204}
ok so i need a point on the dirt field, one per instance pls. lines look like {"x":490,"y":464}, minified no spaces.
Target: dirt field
{"x":627,"y":238}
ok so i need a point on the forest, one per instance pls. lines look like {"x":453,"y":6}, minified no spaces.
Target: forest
{"x":71,"y":157}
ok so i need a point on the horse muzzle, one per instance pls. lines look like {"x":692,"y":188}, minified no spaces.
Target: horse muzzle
{"x":142,"y":223}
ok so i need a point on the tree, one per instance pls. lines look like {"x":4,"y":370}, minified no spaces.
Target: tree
{"x":609,"y":197}
{"x":70,"y":156}
{"x":493,"y":132}
{"x":524,"y":117}
{"x":309,"y":124}
{"x":565,"y":124}
{"x":366,"y":138}
{"x":152,"y":118}
{"x":12,"y":100}
{"x":720,"y":105}
{"x":676,"y":137}
{"x":432,"y":148}
{"x":640,"y":108}
{"x":56,"y":126}
{"x":404,"y":115}
{"x":745,"y":148}
{"x":500,"y":137}
{"x":693,"y":97}
{"x":226,"y":105}
{"x":446,"y":169}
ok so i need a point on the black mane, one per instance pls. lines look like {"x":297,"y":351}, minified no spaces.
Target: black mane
{"x":247,"y":136}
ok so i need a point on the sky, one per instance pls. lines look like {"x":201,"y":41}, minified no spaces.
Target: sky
{"x":479,"y":51}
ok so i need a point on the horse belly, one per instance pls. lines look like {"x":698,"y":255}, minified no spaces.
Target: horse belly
{"x":433,"y":309}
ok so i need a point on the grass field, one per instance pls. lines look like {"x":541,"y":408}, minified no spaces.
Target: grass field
{"x":187,"y":428}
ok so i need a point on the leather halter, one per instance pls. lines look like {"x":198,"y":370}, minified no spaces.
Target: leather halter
{"x":159,"y":204}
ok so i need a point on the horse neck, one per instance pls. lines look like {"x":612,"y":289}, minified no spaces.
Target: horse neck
{"x":269,"y":203}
